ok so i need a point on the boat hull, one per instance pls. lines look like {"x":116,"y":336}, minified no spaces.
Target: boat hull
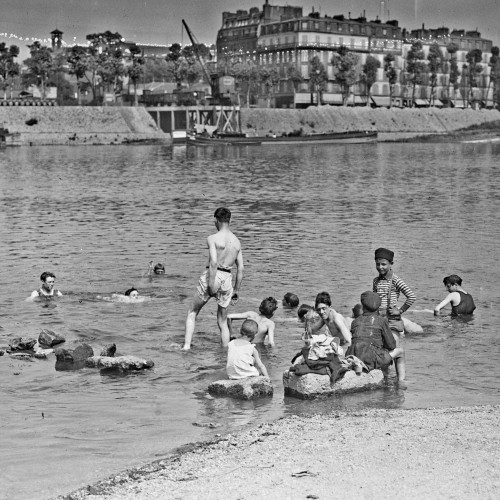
{"x":334,"y":138}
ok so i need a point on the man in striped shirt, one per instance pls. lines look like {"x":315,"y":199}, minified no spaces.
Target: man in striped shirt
{"x":389,"y":286}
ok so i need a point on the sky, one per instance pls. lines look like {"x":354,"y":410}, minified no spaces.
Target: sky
{"x":160,"y":21}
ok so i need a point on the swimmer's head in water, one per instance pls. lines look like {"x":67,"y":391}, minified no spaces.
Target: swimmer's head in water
{"x":159,"y":269}
{"x":133,"y":293}
{"x":268,"y":306}
{"x":290,"y":300}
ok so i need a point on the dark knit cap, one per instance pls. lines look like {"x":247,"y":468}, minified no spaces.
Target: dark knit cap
{"x":384,"y":253}
{"x":370,"y":301}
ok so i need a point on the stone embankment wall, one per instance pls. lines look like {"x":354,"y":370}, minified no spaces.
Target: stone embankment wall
{"x":391,"y":124}
{"x":75,"y":125}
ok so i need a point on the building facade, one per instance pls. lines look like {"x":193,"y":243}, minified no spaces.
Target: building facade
{"x":282,"y":37}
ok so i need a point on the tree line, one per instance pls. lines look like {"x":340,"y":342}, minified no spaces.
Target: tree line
{"x":102,"y":65}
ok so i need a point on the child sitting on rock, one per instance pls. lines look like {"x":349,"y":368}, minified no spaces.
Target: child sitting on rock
{"x":372,"y":339}
{"x":243,"y":360}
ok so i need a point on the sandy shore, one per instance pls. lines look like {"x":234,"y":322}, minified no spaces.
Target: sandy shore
{"x":428,"y":453}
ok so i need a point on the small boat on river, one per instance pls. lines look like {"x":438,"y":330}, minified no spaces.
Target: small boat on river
{"x":354,"y":137}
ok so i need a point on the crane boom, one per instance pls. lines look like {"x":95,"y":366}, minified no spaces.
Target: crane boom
{"x":195,"y":42}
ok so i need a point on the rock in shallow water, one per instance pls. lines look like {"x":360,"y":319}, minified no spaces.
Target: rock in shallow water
{"x":21,"y":344}
{"x":246,"y":388}
{"x":120,"y":363}
{"x":72,"y":357}
{"x":48,"y":338}
{"x":311,"y":385}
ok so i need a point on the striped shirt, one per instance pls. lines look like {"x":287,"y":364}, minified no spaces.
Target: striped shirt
{"x":381,"y":286}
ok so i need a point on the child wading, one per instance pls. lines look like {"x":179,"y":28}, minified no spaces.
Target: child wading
{"x":389,"y":286}
{"x":461,"y":301}
{"x":372,"y":339}
{"x":243,"y":360}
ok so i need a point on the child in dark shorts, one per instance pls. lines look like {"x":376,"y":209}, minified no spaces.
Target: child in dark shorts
{"x":372,"y":339}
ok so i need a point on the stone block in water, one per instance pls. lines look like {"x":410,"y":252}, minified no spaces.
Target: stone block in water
{"x":120,"y":363}
{"x":245,"y":388}
{"x":48,"y":338}
{"x":21,"y":344}
{"x":72,"y":357}
{"x":312,"y":385}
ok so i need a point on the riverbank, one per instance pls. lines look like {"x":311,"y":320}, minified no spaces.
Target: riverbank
{"x":391,"y":124}
{"x":423,"y":453}
{"x":72,"y":125}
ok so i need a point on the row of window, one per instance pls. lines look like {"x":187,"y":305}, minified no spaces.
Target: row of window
{"x":330,"y":26}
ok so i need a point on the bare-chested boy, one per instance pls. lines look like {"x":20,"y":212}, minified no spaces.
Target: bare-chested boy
{"x":262,"y":318}
{"x":224,"y":250}
{"x":324,"y":314}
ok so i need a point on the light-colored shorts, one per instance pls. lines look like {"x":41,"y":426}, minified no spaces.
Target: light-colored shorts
{"x":223,"y":285}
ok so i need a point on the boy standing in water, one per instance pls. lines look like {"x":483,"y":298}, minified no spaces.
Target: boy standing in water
{"x":224,"y":250}
{"x":47,"y":290}
{"x":242,"y":356}
{"x":389,"y":286}
{"x":262,"y":318}
{"x":461,"y":301}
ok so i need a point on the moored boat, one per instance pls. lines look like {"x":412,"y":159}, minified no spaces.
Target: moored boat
{"x":354,"y":137}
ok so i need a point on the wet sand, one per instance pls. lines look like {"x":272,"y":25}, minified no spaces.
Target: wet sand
{"x":424,"y":453}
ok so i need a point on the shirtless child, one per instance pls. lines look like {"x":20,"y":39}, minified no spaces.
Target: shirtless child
{"x":324,"y":314}
{"x":262,"y":318}
{"x":224,"y":250}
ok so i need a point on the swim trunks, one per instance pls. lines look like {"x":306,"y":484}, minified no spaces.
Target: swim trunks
{"x":223,"y":285}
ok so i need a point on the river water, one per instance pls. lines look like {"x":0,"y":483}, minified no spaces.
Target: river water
{"x":309,"y":219}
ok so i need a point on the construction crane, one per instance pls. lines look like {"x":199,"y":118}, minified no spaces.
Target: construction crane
{"x":195,"y":43}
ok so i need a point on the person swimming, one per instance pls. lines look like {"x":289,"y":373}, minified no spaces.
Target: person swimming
{"x":130,"y":296}
{"x":155,"y":269}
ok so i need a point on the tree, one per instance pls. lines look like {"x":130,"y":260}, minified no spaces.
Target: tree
{"x":176,"y":64}
{"x":369,"y":75}
{"x":246,"y":74}
{"x":435,"y":58}
{"x":318,"y":78}
{"x":494,"y":75}
{"x":65,"y":91}
{"x":156,"y":70}
{"x":106,"y":49}
{"x":390,"y":74}
{"x":295,"y":76}
{"x":415,"y":67}
{"x":39,"y":65}
{"x":136,"y":69}
{"x":346,"y":73}
{"x":454,"y":72}
{"x":473,"y":58}
{"x":82,"y":63}
{"x":8,"y":67}
{"x":271,"y":79}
